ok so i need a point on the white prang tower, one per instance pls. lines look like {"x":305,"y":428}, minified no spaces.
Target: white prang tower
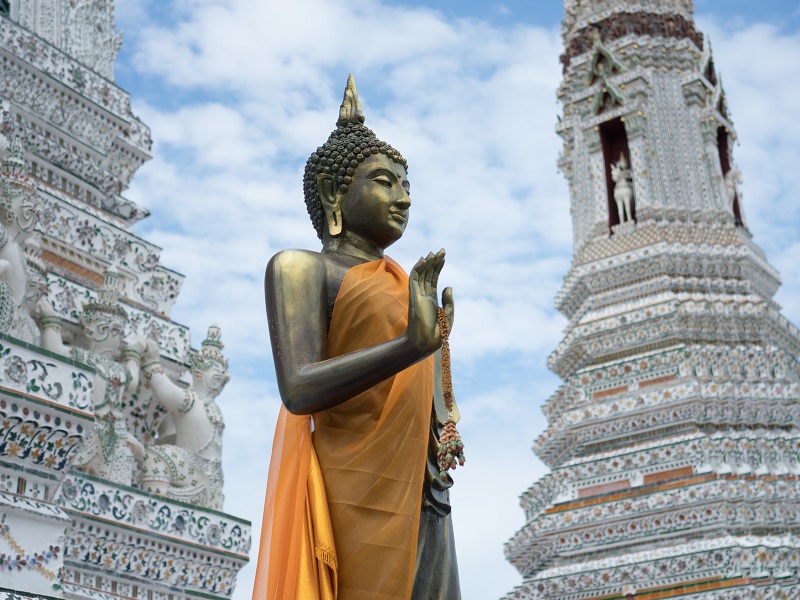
{"x":674,"y":441}
{"x":105,"y":492}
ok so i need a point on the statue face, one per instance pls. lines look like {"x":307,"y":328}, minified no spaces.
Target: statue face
{"x":27,"y":215}
{"x":36,"y":289}
{"x":107,"y":333}
{"x":21,"y":213}
{"x":214,"y":377}
{"x":376,"y":203}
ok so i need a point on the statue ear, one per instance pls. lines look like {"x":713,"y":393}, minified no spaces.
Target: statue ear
{"x":331,"y":203}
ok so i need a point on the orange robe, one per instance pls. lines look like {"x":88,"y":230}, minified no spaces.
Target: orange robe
{"x":297,"y":558}
{"x":372,"y":451}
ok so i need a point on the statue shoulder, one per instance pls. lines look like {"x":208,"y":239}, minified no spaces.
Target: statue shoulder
{"x":296,"y":265}
{"x":297,"y":275}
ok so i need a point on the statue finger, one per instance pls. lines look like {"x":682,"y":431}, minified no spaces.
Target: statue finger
{"x":437,"y":269}
{"x":425,"y":274}
{"x":430,"y":275}
{"x":418,"y":265}
{"x":449,"y":305}
{"x":415,"y":270}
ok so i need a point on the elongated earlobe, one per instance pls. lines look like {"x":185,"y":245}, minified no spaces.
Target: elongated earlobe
{"x":331,"y":203}
{"x":334,"y":222}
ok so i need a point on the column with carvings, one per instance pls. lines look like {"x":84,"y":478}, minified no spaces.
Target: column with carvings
{"x":70,"y":145}
{"x":674,"y":441}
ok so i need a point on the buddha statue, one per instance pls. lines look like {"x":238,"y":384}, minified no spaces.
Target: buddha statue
{"x":356,"y":507}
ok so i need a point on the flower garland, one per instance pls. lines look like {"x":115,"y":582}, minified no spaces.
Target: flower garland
{"x":451,"y":448}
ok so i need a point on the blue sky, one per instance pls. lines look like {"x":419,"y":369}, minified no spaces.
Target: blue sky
{"x":239,"y":92}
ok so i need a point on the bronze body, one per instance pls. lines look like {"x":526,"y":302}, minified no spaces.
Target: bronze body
{"x":360,"y":222}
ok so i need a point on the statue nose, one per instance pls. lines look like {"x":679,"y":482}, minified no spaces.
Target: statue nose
{"x":403,"y":201}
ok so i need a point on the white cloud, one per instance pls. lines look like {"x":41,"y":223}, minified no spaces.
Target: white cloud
{"x":472,"y":107}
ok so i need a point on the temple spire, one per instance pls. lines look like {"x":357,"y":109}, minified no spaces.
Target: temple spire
{"x":681,"y":388}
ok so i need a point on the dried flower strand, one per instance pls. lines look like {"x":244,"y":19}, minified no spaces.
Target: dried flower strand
{"x":451,"y":448}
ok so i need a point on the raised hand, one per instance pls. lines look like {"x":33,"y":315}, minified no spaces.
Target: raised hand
{"x":44,"y":308}
{"x":136,"y":342}
{"x":423,"y":330}
{"x":151,"y":352}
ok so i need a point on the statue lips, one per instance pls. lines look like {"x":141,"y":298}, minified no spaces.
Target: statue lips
{"x":401,"y":216}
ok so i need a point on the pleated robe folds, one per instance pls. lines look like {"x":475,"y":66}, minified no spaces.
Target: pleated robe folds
{"x":371,"y":452}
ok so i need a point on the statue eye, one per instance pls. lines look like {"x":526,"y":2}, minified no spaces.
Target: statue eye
{"x":383,"y":181}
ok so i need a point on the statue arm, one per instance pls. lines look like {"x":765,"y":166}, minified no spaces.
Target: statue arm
{"x":51,"y":340}
{"x":296,"y":298}
{"x":132,"y":358}
{"x":168,"y":394}
{"x":133,"y":368}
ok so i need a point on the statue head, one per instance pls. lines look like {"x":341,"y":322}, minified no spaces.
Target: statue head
{"x":18,"y":197}
{"x":621,"y":165}
{"x":334,"y":163}
{"x":104,"y":320}
{"x":209,"y":366}
{"x":620,"y":170}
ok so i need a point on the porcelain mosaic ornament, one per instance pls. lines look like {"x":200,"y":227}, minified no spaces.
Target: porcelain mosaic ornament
{"x":82,"y":297}
{"x":674,"y":439}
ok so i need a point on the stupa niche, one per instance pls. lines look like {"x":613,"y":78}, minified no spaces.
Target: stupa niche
{"x":674,"y":439}
{"x":105,"y":492}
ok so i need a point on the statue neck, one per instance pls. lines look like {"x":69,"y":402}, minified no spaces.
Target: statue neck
{"x":349,"y":244}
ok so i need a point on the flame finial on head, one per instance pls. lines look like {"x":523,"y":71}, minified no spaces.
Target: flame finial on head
{"x":350,"y":110}
{"x":210,"y":351}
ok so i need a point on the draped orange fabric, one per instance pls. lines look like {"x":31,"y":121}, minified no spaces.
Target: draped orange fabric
{"x":297,"y":558}
{"x":372,"y":448}
{"x":371,"y":452}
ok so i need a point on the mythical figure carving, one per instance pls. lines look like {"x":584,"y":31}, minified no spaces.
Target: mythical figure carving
{"x":354,"y":340}
{"x":191,"y":469}
{"x":90,"y":36}
{"x":623,"y":188}
{"x":43,"y":17}
{"x":109,"y":450}
{"x":24,"y":325}
{"x":733,"y":179}
{"x":20,"y":282}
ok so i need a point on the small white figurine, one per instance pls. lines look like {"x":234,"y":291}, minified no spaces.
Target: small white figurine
{"x":623,"y":188}
{"x":733,"y":178}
